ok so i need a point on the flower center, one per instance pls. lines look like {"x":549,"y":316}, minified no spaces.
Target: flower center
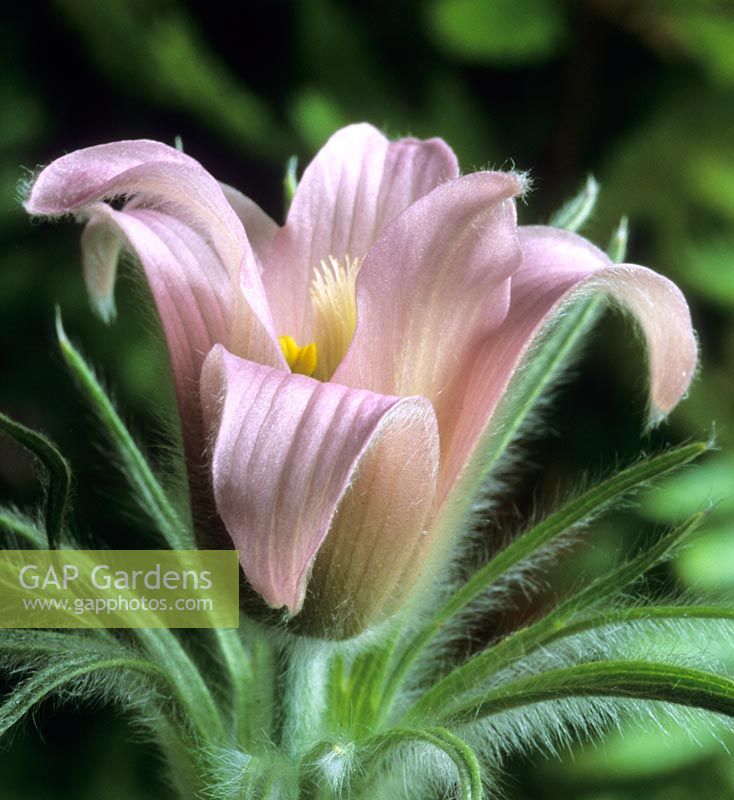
{"x":302,"y":360}
{"x":334,"y":302}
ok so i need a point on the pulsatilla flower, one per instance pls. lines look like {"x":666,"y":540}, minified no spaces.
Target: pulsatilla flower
{"x":341,"y":372}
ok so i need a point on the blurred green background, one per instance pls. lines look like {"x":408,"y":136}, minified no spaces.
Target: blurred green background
{"x":638,"y":92}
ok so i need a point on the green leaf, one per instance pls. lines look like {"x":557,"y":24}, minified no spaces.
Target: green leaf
{"x":575,"y":512}
{"x":241,"y":684}
{"x":356,"y":686}
{"x":502,"y":30}
{"x":148,"y":492}
{"x":364,"y":695}
{"x":645,"y":613}
{"x":72,"y":656}
{"x":263,"y":698}
{"x":460,"y":753}
{"x":61,"y":673}
{"x":57,"y":468}
{"x":574,"y":214}
{"x":590,"y":503}
{"x":185,"y":679}
{"x":642,"y":680}
{"x":15,"y":644}
{"x":21,"y":650}
{"x":477,"y":671}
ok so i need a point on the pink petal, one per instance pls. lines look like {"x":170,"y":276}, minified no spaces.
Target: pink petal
{"x":435,"y":283}
{"x":193,"y":292}
{"x":656,"y":303}
{"x":294,"y":459}
{"x":78,"y":179}
{"x":156,"y":176}
{"x":558,"y":267}
{"x":259,"y":227}
{"x":353,"y":188}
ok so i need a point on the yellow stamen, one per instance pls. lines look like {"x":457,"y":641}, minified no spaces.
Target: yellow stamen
{"x":302,"y":360}
{"x":333,"y":296}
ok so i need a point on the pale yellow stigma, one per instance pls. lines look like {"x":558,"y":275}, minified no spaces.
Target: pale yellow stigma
{"x":302,"y":360}
{"x":334,"y":300}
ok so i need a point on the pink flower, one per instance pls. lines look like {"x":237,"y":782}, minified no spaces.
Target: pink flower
{"x":407,"y":292}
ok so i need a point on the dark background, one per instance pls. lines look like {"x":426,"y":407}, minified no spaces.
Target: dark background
{"x":638,"y":93}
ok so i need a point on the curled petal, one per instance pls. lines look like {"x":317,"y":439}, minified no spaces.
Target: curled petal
{"x":82,"y":177}
{"x":558,"y":267}
{"x":435,"y":283}
{"x":356,"y":184}
{"x":295,"y":459}
{"x":153,"y":175}
{"x":656,"y":304}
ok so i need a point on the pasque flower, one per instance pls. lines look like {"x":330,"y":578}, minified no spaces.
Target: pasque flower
{"x":338,"y":373}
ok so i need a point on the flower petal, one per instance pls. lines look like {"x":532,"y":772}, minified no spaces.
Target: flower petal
{"x":436,"y":282}
{"x":656,"y":303}
{"x":259,"y":227}
{"x":557,"y":267}
{"x":193,"y":292}
{"x":78,"y":179}
{"x":290,"y":453}
{"x":157,"y":176}
{"x":356,"y":184}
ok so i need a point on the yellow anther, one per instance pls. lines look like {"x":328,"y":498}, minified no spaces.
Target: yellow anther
{"x":334,"y":307}
{"x":302,"y":360}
